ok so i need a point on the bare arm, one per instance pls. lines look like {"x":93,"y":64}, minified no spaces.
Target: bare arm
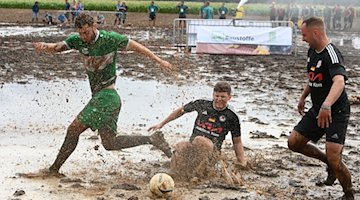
{"x":239,"y":150}
{"x":133,"y":45}
{"x":301,"y":104}
{"x":324,"y":117}
{"x":174,"y":115}
{"x":49,"y":47}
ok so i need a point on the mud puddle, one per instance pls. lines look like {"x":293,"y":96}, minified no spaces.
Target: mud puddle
{"x":54,"y":104}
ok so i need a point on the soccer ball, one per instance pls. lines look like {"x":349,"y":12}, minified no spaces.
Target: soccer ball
{"x":161,"y":184}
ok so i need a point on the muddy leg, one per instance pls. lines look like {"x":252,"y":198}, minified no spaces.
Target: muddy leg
{"x":299,"y":143}
{"x":69,"y":145}
{"x":333,"y":153}
{"x":112,"y":142}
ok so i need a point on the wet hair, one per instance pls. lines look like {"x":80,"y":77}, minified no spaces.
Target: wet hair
{"x":314,"y":22}
{"x":222,"y":86}
{"x":83,"y":19}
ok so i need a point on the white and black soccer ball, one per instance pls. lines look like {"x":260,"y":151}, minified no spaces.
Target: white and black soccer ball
{"x":161,"y":184}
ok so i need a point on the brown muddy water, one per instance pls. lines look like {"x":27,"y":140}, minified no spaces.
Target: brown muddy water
{"x":41,"y":95}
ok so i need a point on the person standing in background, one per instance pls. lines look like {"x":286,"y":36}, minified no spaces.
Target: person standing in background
{"x":73,"y":10}
{"x":152,"y":10}
{"x":201,"y":11}
{"x":35,"y":11}
{"x":124,"y":10}
{"x":208,"y":11}
{"x":67,"y":7}
{"x":352,"y":16}
{"x":182,"y":13}
{"x":273,"y":12}
{"x":223,"y":11}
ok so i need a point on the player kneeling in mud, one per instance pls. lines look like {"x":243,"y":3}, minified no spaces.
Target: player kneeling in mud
{"x":98,"y":50}
{"x":215,"y":119}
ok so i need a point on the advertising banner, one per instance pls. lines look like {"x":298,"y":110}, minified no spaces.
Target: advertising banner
{"x":244,"y":35}
{"x":243,"y":40}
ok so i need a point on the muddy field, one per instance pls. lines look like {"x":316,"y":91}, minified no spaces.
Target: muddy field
{"x":266,"y":90}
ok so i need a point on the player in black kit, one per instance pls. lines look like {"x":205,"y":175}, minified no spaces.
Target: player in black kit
{"x":330,"y":109}
{"x":212,"y":124}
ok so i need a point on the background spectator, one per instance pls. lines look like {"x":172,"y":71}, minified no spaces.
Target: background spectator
{"x":152,"y":10}
{"x":67,"y":7}
{"x":223,"y":11}
{"x":208,"y":11}
{"x":35,"y":11}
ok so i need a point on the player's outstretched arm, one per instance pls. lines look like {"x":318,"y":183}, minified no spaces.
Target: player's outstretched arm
{"x":49,"y":47}
{"x":133,"y":45}
{"x":174,"y":115}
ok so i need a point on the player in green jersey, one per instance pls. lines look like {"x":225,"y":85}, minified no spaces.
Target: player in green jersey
{"x":98,"y":51}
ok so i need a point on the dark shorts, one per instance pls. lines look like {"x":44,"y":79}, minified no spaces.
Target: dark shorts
{"x":182,"y":16}
{"x":152,"y":17}
{"x":336,"y":132}
{"x":102,"y":111}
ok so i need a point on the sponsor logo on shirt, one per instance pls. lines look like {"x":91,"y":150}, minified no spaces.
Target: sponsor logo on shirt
{"x":318,"y":65}
{"x":208,"y":128}
{"x":222,"y":118}
{"x":315,"y":79}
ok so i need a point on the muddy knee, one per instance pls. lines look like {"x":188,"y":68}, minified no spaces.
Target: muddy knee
{"x":203,"y":142}
{"x":296,"y":141}
{"x":107,"y":145}
{"x":333,"y":155}
{"x":292,"y":144}
{"x":107,"y":139}
{"x":75,"y":128}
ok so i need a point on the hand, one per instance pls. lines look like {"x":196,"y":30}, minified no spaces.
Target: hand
{"x":301,"y":106}
{"x":166,"y":65}
{"x":243,"y":165}
{"x":155,"y":127}
{"x":324,"y":118}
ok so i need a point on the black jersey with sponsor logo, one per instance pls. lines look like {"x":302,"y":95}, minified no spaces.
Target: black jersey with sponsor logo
{"x":321,"y":68}
{"x":212,"y":123}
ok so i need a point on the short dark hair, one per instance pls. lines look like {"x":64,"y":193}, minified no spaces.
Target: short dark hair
{"x":314,"y":21}
{"x":83,"y":19}
{"x":222,"y":86}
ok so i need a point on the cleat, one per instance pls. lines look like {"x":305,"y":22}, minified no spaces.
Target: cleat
{"x":157,"y":139}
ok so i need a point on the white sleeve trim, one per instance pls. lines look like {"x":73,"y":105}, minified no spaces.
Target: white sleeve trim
{"x":127,"y":46}
{"x":66,"y":44}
